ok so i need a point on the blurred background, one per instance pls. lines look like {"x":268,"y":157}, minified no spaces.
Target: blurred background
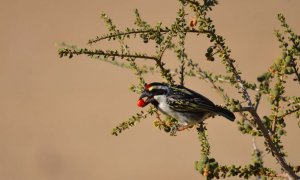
{"x":56,"y":115}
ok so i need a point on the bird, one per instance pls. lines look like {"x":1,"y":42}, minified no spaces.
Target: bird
{"x":188,"y":107}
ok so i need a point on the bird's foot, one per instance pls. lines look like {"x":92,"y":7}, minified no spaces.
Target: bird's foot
{"x":184,"y":127}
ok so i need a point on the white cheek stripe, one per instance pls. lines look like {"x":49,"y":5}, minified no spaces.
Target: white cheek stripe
{"x":150,"y":88}
{"x":159,"y":87}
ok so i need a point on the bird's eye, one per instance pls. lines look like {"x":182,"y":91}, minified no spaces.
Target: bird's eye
{"x":158,"y":91}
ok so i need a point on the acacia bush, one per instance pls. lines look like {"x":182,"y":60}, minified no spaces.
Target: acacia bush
{"x":272,"y":83}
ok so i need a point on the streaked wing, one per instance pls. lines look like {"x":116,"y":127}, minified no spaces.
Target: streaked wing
{"x":187,"y":103}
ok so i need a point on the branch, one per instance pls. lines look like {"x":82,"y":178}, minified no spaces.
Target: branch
{"x":294,"y":49}
{"x":229,"y":63}
{"x":224,"y":53}
{"x":246,"y":171}
{"x":105,"y":54}
{"x":140,"y":31}
{"x":251,"y":109}
{"x":238,"y":78}
{"x":132,"y":121}
{"x":272,"y":146}
{"x":294,"y":66}
{"x":289,"y":111}
{"x":182,"y":35}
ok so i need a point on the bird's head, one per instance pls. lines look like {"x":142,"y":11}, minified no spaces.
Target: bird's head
{"x":150,"y":91}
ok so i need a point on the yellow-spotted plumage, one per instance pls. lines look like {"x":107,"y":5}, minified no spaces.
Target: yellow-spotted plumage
{"x":183,"y":104}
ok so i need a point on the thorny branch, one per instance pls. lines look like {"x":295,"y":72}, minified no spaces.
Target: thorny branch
{"x":163,"y":37}
{"x":258,"y":121}
{"x":141,"y":31}
{"x":273,"y":148}
{"x":106,"y":54}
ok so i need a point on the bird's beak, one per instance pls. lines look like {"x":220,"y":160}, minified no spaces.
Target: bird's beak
{"x":148,"y":95}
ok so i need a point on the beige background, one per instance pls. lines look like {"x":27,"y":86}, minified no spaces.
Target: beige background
{"x":56,"y":115}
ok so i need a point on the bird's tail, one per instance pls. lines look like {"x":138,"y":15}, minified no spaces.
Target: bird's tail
{"x":225,"y":112}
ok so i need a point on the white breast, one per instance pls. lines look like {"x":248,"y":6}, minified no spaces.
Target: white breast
{"x":164,"y":108}
{"x":163,"y":105}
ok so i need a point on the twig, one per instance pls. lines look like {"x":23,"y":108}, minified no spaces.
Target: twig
{"x":238,"y":78}
{"x":294,"y":66}
{"x":258,"y":98}
{"x":289,"y":112}
{"x":71,"y":52}
{"x":182,"y":36}
{"x":165,"y":72}
{"x":141,"y":31}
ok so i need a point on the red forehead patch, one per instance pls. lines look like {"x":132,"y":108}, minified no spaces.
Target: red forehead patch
{"x":147,"y":86}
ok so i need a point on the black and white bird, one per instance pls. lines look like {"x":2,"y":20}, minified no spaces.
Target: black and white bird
{"x":181,"y":103}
